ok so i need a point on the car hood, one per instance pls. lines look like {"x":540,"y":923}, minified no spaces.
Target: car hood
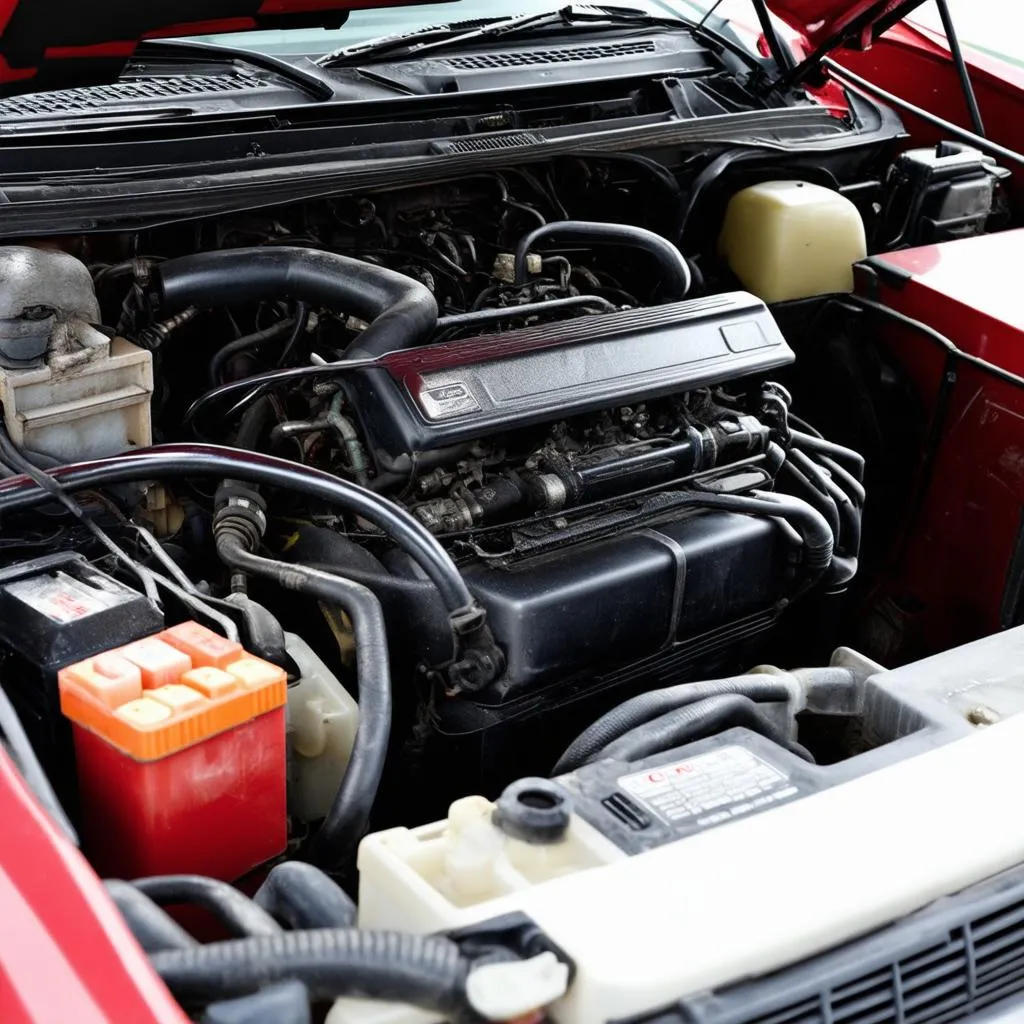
{"x":48,"y":43}
{"x":833,"y":23}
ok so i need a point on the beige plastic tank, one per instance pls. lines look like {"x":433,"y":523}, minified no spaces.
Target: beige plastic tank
{"x":790,"y":240}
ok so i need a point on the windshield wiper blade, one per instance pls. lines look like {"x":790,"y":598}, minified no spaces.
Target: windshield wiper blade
{"x":436,"y":37}
{"x":189,"y":51}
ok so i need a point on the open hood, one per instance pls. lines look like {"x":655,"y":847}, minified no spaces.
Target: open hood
{"x":828,"y":24}
{"x":50,"y":43}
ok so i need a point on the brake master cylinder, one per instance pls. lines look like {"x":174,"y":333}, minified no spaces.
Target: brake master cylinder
{"x":68,"y":390}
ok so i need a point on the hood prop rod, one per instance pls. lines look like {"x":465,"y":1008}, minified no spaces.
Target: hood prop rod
{"x":953,"y":39}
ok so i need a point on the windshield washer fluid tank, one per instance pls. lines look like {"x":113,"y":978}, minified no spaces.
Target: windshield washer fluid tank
{"x":789,"y":240}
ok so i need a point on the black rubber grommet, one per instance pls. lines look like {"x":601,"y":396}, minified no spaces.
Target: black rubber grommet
{"x":535,"y":811}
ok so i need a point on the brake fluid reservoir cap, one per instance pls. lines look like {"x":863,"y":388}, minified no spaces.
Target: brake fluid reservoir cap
{"x":535,"y":811}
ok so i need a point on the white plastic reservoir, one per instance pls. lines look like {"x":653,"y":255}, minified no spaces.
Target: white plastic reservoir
{"x":790,"y":240}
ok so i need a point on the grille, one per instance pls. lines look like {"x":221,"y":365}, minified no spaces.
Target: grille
{"x":981,"y":963}
{"x":484,"y":145}
{"x":568,"y":55}
{"x":70,"y":101}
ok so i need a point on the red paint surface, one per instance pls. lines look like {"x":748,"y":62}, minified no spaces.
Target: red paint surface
{"x":950,"y":572}
{"x":819,"y":20}
{"x":65,"y":953}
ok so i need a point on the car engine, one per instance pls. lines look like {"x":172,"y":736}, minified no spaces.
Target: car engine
{"x":592,"y":431}
{"x":368,"y":504}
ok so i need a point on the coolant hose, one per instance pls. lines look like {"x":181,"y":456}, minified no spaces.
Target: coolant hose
{"x":349,"y":815}
{"x":424,"y":971}
{"x":646,"y":707}
{"x":410,"y":605}
{"x":401,"y":312}
{"x":677,"y":277}
{"x":234,"y":910}
{"x":154,"y":929}
{"x":216,"y":462}
{"x":693,"y":722}
{"x":301,"y":896}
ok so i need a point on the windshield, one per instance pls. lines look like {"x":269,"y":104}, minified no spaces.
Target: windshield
{"x":997,"y":28}
{"x":365,"y":25}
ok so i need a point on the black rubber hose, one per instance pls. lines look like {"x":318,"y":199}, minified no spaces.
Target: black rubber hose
{"x":809,"y":523}
{"x":154,"y":929}
{"x":692,"y":722}
{"x":761,"y":689}
{"x":663,"y":176}
{"x":847,"y":457}
{"x":849,"y":534}
{"x":301,"y":896}
{"x":275,"y":332}
{"x":245,"y":392}
{"x":677,"y":277}
{"x":813,"y":494}
{"x":845,"y":561}
{"x":347,"y":820}
{"x":410,"y":605}
{"x":817,"y":490}
{"x":214,"y":461}
{"x":254,"y":424}
{"x":819,"y":541}
{"x":425,"y":971}
{"x":401,"y":312}
{"x":849,"y":483}
{"x":234,"y":910}
{"x":300,"y":326}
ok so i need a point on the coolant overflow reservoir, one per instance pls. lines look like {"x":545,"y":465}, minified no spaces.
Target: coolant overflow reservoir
{"x":792,"y":240}
{"x":67,"y":389}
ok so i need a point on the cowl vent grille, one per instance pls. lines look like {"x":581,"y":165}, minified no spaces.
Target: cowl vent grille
{"x":487,"y":143}
{"x":565,"y":55}
{"x":72,"y":101}
{"x":980,"y":964}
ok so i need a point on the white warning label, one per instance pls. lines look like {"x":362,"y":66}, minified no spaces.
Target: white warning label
{"x":62,"y":598}
{"x":709,"y":789}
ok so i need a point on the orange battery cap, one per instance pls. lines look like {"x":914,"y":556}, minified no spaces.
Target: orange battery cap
{"x":148,"y":701}
{"x":159,"y":662}
{"x":109,"y":680}
{"x":206,"y":648}
{"x":253,"y":673}
{"x":211,"y":682}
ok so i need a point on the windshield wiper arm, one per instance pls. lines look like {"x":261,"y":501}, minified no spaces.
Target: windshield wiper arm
{"x":415,"y":44}
{"x":309,"y":82}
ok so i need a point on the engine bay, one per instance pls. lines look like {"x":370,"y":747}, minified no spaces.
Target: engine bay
{"x":367,"y":505}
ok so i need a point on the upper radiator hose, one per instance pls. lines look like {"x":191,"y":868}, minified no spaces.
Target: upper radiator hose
{"x":676,"y":274}
{"x":401,"y":312}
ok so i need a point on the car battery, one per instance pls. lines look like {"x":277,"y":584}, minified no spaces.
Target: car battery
{"x":54,"y":611}
{"x":180,"y":747}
